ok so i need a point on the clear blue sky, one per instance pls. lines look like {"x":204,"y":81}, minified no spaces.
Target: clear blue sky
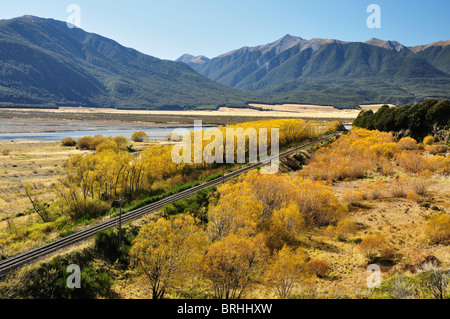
{"x":170,"y":28}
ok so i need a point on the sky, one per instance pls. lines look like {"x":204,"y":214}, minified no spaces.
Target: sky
{"x":169,"y":28}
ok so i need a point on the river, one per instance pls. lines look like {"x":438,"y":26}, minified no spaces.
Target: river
{"x":48,"y":130}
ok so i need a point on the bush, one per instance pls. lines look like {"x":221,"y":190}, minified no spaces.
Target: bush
{"x":96,"y":141}
{"x":353,"y":198}
{"x":428,"y":140}
{"x":375,"y":246}
{"x":91,"y":208}
{"x":48,"y":279}
{"x":398,"y":188}
{"x":411,"y":161}
{"x":106,"y":145}
{"x":84,"y":143}
{"x":421,"y":185}
{"x":407,"y":143}
{"x":345,"y":228}
{"x":68,"y":141}
{"x":120,"y":141}
{"x":436,"y":149}
{"x":139,"y":137}
{"x":433,"y":282}
{"x":107,"y":243}
{"x":412,"y":196}
{"x":6,"y":152}
{"x":438,"y":228}
{"x":374,"y":190}
{"x":319,"y":267}
{"x":421,"y":259}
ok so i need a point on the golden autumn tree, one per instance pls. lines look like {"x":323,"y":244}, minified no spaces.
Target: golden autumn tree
{"x":284,"y":227}
{"x":121,"y":141}
{"x":273,"y":191}
{"x":167,"y":252}
{"x":317,"y":203}
{"x":233,"y":264}
{"x":236,"y":212}
{"x":287,"y":268}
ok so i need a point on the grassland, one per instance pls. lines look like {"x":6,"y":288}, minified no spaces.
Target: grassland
{"x":37,"y":163}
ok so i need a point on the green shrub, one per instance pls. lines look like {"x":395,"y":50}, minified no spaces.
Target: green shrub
{"x":48,"y":280}
{"x":107,"y":243}
{"x":68,"y":141}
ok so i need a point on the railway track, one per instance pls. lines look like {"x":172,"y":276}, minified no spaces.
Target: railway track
{"x":25,"y":258}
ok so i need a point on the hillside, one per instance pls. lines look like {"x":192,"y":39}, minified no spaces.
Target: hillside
{"x":44,"y":63}
{"x":333,"y":72}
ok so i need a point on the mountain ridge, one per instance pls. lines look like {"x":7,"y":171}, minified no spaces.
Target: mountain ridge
{"x":295,"y":68}
{"x":387,"y":44}
{"x":45,"y":63}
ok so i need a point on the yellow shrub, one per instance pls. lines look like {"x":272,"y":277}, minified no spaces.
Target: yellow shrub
{"x":398,"y":188}
{"x":411,"y":161}
{"x":345,"y":228}
{"x":319,"y":267}
{"x":351,"y":156}
{"x":438,"y":228}
{"x":407,"y":143}
{"x":428,"y":140}
{"x":436,"y":149}
{"x":373,"y":190}
{"x":353,"y":198}
{"x":445,"y":168}
{"x":375,"y":245}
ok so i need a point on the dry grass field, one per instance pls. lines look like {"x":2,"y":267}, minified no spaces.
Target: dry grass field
{"x":37,"y":163}
{"x":402,"y":221}
{"x":308,"y":111}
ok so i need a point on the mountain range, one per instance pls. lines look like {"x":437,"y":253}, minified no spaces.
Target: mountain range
{"x":333,"y":72}
{"x":44,"y":63}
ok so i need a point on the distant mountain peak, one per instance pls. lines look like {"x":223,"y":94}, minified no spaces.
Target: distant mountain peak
{"x":386,"y":44}
{"x":192,"y":60}
{"x":29,"y":16}
{"x":290,"y":37}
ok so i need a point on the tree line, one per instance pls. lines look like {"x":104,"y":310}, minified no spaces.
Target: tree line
{"x":420,"y":119}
